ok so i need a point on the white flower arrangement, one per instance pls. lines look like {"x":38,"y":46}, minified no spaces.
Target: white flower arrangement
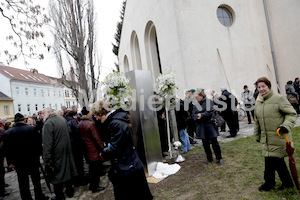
{"x":166,"y":87}
{"x":116,"y":90}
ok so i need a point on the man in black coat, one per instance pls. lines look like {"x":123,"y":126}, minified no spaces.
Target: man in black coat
{"x":58,"y":156}
{"x":229,"y":113}
{"x":23,"y":151}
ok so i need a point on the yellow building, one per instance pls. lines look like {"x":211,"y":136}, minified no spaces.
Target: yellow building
{"x":6,"y":107}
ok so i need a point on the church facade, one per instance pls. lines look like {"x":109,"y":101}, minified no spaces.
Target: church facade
{"x":213,"y":44}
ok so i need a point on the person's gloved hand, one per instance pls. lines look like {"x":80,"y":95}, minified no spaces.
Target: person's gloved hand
{"x":103,"y":155}
{"x":283,"y":130}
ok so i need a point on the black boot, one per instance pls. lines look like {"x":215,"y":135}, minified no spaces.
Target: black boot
{"x":265,"y":187}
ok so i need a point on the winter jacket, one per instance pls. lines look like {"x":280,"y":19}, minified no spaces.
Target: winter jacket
{"x":122,"y":151}
{"x":205,"y":128}
{"x":75,"y":137}
{"x":91,"y":139}
{"x":57,"y":148}
{"x":273,"y":110}
{"x":229,"y":101}
{"x":2,"y":135}
{"x":256,"y":93}
{"x":290,"y":92}
{"x":247,"y":97}
{"x":22,"y":145}
{"x":182,"y":116}
{"x":296,"y":87}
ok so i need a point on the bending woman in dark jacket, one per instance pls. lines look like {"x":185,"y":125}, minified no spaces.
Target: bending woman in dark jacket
{"x":205,"y":128}
{"x":127,"y":171}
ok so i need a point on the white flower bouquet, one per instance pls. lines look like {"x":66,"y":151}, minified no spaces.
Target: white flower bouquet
{"x":166,"y":88}
{"x":116,"y":90}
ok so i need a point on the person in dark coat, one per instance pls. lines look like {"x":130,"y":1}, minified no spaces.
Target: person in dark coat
{"x":191,"y":123}
{"x":58,"y":157}
{"x":22,"y":148}
{"x":93,"y":147}
{"x":205,"y":129}
{"x":182,"y":118}
{"x":256,"y":92}
{"x":77,"y":147}
{"x":248,"y":100}
{"x":8,"y":125}
{"x":127,"y":171}
{"x":296,"y":85}
{"x":229,"y":113}
{"x":292,"y":95}
{"x":3,"y":193}
{"x":162,"y":126}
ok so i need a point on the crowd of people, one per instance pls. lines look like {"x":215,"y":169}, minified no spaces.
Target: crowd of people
{"x":67,"y":140}
{"x":271,"y":112}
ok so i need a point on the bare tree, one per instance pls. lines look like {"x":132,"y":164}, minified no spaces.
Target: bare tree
{"x":75,"y":47}
{"x":26,"y":21}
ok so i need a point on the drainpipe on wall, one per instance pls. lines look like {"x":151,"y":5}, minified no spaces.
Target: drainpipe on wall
{"x":271,"y":43}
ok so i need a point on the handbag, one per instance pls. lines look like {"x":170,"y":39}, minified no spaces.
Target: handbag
{"x":217,"y":120}
{"x":293,"y":100}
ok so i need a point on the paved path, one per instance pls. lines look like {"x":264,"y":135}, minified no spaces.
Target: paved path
{"x":82,"y":193}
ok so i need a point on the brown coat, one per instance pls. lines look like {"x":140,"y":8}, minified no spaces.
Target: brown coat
{"x":91,"y":138}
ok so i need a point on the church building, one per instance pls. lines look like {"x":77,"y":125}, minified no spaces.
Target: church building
{"x":213,"y":43}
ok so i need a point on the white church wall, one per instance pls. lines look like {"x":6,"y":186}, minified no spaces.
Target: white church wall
{"x":284,"y":21}
{"x":189,"y":34}
{"x":244,"y":46}
{"x":137,"y":15}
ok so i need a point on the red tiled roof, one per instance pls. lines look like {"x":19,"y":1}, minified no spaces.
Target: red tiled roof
{"x":23,"y":75}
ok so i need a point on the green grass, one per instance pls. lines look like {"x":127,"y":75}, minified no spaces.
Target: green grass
{"x":238,"y":178}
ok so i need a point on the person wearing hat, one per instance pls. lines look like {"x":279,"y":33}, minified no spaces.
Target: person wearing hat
{"x":248,"y":100}
{"x":23,"y":150}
